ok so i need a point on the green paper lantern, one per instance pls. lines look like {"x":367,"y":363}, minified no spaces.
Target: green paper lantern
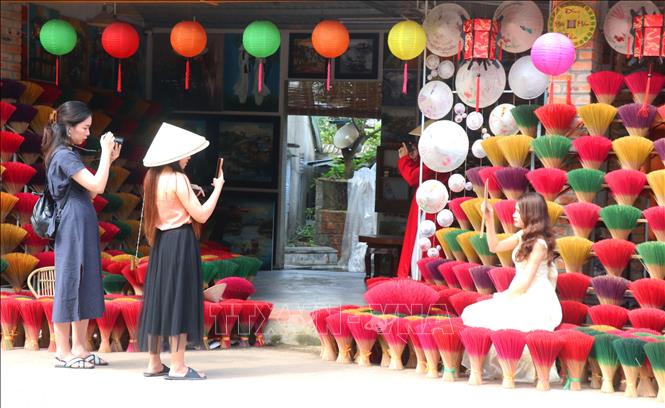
{"x":58,"y":37}
{"x":261,"y":39}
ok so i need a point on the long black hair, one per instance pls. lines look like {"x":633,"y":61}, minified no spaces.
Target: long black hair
{"x":56,"y":132}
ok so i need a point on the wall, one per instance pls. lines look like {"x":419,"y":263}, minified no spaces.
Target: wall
{"x":12,"y":40}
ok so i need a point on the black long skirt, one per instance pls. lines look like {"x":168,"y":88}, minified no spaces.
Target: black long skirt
{"x":173,"y":291}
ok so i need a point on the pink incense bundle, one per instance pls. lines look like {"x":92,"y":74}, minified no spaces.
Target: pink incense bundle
{"x":637,"y":118}
{"x":643,"y":88}
{"x":451,"y":349}
{"x":482,"y":280}
{"x":544,"y":348}
{"x":32,"y":315}
{"x":573,"y":312}
{"x":328,"y":345}
{"x":425,"y":271}
{"x":106,"y":323}
{"x":652,"y":319}
{"x":488,"y":175}
{"x":247,"y":319}
{"x":557,"y":118}
{"x":477,"y":342}
{"x":605,"y":85}
{"x":396,"y":334}
{"x":574,"y":354}
{"x":228,"y":317}
{"x":572,"y":286}
{"x":626,"y":185}
{"x":16,"y":175}
{"x":9,"y":144}
{"x":655,"y":217}
{"x":455,"y":206}
{"x":364,"y":334}
{"x":9,"y":317}
{"x":463,"y":299}
{"x":608,"y":315}
{"x":502,"y":277}
{"x":33,"y":243}
{"x":509,"y":345}
{"x":610,"y":290}
{"x":401,"y":296}
{"x":504,"y":210}
{"x":614,"y":254}
{"x":512,"y":181}
{"x":47,"y":305}
{"x":338,"y":327}
{"x":131,"y":312}
{"x":592,"y":150}
{"x":582,"y":217}
{"x":649,"y":292}
{"x":210,"y":312}
{"x":429,"y":346}
{"x":416,"y":352}
{"x":473,"y":175}
{"x":24,"y":206}
{"x":99,"y":203}
{"x":444,"y":299}
{"x":463,"y":275}
{"x":659,"y":146}
{"x":45,"y":259}
{"x":548,"y":182}
{"x":446,"y":270}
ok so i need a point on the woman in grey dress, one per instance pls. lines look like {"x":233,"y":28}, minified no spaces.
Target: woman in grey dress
{"x":78,"y":287}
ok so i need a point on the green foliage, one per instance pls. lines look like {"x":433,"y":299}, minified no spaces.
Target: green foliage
{"x":304,"y":236}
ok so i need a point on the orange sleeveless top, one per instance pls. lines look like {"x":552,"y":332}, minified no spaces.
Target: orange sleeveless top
{"x":172,"y":214}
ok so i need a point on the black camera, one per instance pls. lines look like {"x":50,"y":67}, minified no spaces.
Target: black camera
{"x":119,"y":140}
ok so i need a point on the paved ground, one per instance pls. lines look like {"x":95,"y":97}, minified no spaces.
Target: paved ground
{"x":253,"y":377}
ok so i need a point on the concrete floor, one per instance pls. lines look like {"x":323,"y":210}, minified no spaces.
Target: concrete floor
{"x":281,"y":377}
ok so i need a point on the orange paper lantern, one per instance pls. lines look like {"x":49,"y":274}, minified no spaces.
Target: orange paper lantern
{"x":330,"y":39}
{"x":188,"y":38}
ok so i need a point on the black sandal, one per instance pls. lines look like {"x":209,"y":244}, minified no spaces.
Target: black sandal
{"x":76,"y":363}
{"x":191,"y":375}
{"x":165,"y":371}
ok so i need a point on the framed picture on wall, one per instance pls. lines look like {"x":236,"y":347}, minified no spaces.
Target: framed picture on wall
{"x":304,"y":62}
{"x":250,"y":147}
{"x":361,"y":60}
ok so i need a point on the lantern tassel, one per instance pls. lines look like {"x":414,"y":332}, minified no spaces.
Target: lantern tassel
{"x":478,"y":93}
{"x":187,"y":75}
{"x":550,"y":97}
{"x":328,"y":77}
{"x":57,"y":70}
{"x":405,"y":78}
{"x":459,"y":50}
{"x":644,"y":112}
{"x":260,"y":75}
{"x":569,"y":98}
{"x":119,"y":85}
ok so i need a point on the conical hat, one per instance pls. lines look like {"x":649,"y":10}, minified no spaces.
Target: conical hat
{"x":171,"y":144}
{"x":418,"y":129}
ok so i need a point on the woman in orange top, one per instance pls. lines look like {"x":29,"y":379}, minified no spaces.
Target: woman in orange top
{"x":172,"y":313}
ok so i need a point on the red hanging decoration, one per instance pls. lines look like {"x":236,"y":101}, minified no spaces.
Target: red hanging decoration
{"x":260,"y":74}
{"x":459,"y":50}
{"x":569,"y":98}
{"x":330,"y":39}
{"x":405,"y":78}
{"x":478,"y":93}
{"x":188,"y":39}
{"x":121,"y":41}
{"x":644,"y":112}
{"x":187,"y":75}
{"x":328,"y":77}
{"x":550,"y":97}
{"x":119,"y":85}
{"x":57,"y":70}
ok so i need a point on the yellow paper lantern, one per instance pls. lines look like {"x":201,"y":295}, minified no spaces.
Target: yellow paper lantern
{"x":406,"y":41}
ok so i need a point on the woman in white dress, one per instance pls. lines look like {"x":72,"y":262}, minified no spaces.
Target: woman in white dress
{"x":530,"y":302}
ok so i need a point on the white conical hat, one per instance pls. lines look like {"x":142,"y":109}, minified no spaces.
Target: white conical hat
{"x":171,"y":144}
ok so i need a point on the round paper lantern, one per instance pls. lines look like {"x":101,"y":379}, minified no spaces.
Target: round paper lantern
{"x":406,"y":41}
{"x":474,"y":120}
{"x":58,"y":37}
{"x":477,"y":150}
{"x":120,"y":40}
{"x":433,"y":253}
{"x":432,"y":62}
{"x":345,"y":136}
{"x":459,"y":108}
{"x":443,"y":146}
{"x":330,"y":39}
{"x":424,"y":244}
{"x":501,"y":121}
{"x":432,"y":196}
{"x":188,"y":39}
{"x":526,"y":80}
{"x":435,"y":99}
{"x":261,"y":39}
{"x":553,"y":53}
{"x":427,"y":228}
{"x":445,"y":218}
{"x":456,"y":183}
{"x":446,"y":69}
{"x":468,"y":186}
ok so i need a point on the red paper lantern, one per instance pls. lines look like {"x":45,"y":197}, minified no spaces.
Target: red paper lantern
{"x":120,"y":40}
{"x":330,"y":39}
{"x":188,"y":38}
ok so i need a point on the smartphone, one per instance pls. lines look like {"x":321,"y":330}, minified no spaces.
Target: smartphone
{"x":220,"y":163}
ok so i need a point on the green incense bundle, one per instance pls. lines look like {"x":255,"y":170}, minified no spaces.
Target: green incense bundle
{"x":620,"y":220}
{"x":526,"y":119}
{"x":653,"y":256}
{"x":479,"y":243}
{"x":125,"y":230}
{"x":551,"y":149}
{"x":451,"y":240}
{"x":114,"y":203}
{"x":631,"y":356}
{"x":656,"y":354}
{"x":113,"y":283}
{"x":608,"y":360}
{"x":586,"y":183}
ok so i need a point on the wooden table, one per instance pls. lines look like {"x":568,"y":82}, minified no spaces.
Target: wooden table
{"x":390,"y":244}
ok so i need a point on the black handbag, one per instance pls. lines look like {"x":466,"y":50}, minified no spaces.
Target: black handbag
{"x":46,"y":214}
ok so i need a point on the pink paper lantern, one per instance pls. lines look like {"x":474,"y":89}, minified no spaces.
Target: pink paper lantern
{"x":553,"y":53}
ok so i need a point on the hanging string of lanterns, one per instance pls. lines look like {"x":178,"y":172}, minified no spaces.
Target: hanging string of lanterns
{"x":58,"y":37}
{"x":121,"y":41}
{"x":188,"y":39}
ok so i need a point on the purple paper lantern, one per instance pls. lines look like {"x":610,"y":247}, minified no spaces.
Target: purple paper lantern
{"x":553,"y":53}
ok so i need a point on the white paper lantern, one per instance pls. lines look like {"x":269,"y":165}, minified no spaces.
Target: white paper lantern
{"x":459,"y":118}
{"x":443,"y":146}
{"x":477,"y":150}
{"x":485,"y":135}
{"x":445,"y":218}
{"x":446,"y":69}
{"x":427,"y":228}
{"x":459,"y":108}
{"x":433,"y":253}
{"x":474,"y":120}
{"x":432,"y":62}
{"x":456,"y":183}
{"x":424,"y":244}
{"x":435,"y":100}
{"x":526,"y":81}
{"x":501,"y":120}
{"x":345,"y":136}
{"x":432,"y":196}
{"x":468,"y":186}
